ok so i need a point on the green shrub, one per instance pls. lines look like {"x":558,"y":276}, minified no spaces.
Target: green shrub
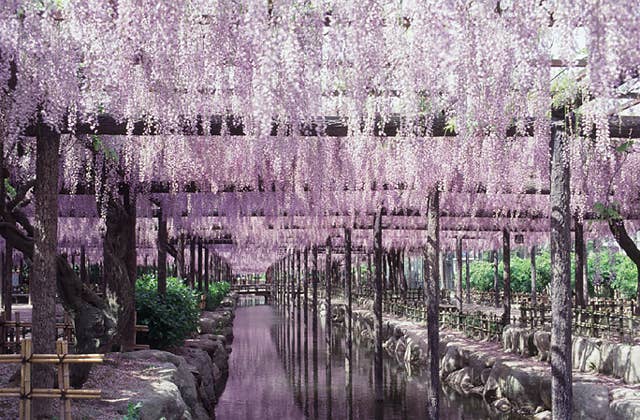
{"x":481,"y":275}
{"x":217,"y":291}
{"x":170,"y":320}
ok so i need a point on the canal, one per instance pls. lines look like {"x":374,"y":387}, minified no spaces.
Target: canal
{"x":275,"y":374}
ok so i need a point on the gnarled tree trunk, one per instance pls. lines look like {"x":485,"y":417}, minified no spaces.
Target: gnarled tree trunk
{"x":119,"y":249}
{"x":617,"y":228}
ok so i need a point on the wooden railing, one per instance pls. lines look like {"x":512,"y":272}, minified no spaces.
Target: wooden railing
{"x":14,"y":331}
{"x":64,"y":392}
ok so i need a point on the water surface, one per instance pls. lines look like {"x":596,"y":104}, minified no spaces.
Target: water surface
{"x":275,"y":374}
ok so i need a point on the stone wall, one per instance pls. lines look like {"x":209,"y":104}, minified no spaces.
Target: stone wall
{"x":187,"y":383}
{"x":506,"y":381}
{"x":593,"y":355}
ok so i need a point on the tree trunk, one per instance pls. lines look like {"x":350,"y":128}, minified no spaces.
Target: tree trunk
{"x":431,"y":275}
{"x":619,"y":231}
{"x":119,"y":253}
{"x":377,"y":306}
{"x":561,"y":390}
{"x":506,"y":276}
{"x":43,"y":269}
{"x":580,"y":256}
{"x":459,"y":270}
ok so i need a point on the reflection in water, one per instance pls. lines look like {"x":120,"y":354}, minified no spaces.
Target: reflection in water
{"x":269,"y":376}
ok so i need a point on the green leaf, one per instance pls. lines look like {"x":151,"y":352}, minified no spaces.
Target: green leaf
{"x":625,"y":147}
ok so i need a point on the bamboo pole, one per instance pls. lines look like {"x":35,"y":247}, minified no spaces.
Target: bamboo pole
{"x":26,"y":352}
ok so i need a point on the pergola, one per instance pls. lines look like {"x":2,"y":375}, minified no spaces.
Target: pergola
{"x":275,"y":127}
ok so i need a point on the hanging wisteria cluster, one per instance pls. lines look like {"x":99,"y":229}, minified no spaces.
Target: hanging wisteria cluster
{"x":487,"y":71}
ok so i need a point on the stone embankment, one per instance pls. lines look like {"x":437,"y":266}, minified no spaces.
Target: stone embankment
{"x":516,"y":378}
{"x":186,"y":383}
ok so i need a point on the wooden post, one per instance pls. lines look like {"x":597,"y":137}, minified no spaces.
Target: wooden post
{"x":579,"y":267}
{"x":467,"y":278}
{"x":314,"y":296}
{"x":192,"y":261}
{"x":206,"y":270}
{"x":83,"y":265}
{"x":534,"y":276}
{"x":496,"y":279}
{"x":162,"y":254}
{"x":62,"y":349}
{"x":459,"y":270}
{"x":561,"y":302}
{"x":431,"y":276}
{"x":306,"y":294}
{"x":377,"y":305}
{"x":26,"y":350}
{"x":506,"y":262}
{"x":7,"y":279}
{"x":200,"y":264}
{"x":328,"y":284}
{"x":348,"y":319}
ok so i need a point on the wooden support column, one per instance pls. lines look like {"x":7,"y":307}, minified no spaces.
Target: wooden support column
{"x":459,"y":272}
{"x":200,"y":264}
{"x":306,"y":293}
{"x":348,"y":319}
{"x":467,"y":278}
{"x":192,"y":262}
{"x":162,"y":255}
{"x":506,"y":276}
{"x":581,"y":286}
{"x":328,"y":317}
{"x":83,"y":265}
{"x":534,"y":277}
{"x":328,"y":283}
{"x":561,"y":302}
{"x":377,"y":306}
{"x":206,"y":270}
{"x":496,"y":279}
{"x":314,"y":295}
{"x":7,"y":280}
{"x":298,"y":291}
{"x":431,"y":276}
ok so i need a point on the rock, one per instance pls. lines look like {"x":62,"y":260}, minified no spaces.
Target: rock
{"x":543,"y":415}
{"x":201,"y":361}
{"x":542,"y":342}
{"x":220,"y":357}
{"x":451,"y":361}
{"x":632,"y":372}
{"x":626,"y":409}
{"x":502,"y":405}
{"x":163,"y":400}
{"x":590,"y":401}
{"x":176,"y":370}
{"x":518,"y":382}
{"x":615,"y":358}
{"x":461,"y":381}
{"x":586,"y":354}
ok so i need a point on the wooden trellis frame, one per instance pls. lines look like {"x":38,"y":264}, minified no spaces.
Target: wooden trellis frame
{"x":64,"y":392}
